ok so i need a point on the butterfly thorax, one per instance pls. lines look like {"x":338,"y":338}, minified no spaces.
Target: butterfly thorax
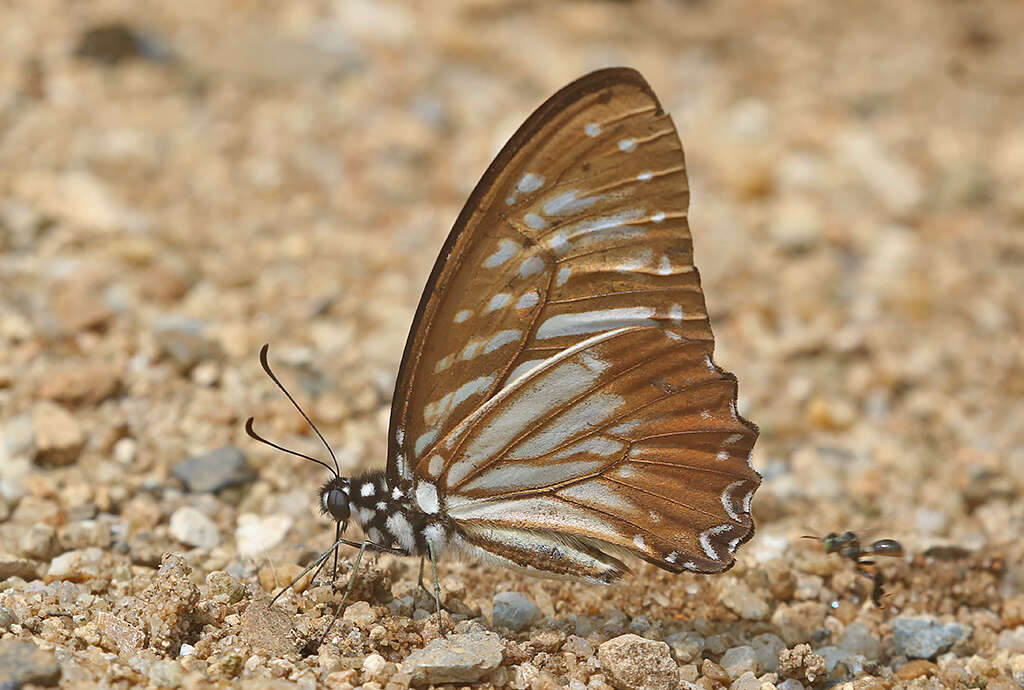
{"x":386,"y":515}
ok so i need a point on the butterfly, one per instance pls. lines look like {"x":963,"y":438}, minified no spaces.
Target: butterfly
{"x":557,"y":407}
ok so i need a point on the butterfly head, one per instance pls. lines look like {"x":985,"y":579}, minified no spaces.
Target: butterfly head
{"x":334,"y":499}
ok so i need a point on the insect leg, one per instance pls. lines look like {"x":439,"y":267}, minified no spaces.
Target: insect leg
{"x":437,"y":587}
{"x":318,"y":563}
{"x":348,"y":590}
{"x":337,"y":536}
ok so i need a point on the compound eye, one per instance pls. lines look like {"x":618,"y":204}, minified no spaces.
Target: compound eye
{"x":337,"y":504}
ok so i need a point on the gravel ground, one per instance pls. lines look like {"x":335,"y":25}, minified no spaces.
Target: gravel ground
{"x":182,"y":182}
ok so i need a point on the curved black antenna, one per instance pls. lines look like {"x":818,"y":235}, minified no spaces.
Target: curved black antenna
{"x":266,"y":368}
{"x":253,"y":434}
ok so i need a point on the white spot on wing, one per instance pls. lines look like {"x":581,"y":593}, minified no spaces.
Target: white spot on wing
{"x":566,"y":203}
{"x":463,"y":315}
{"x":638,"y":540}
{"x":534,"y":221}
{"x":644,"y":176}
{"x":641,"y":260}
{"x":665,"y":267}
{"x":671,"y":558}
{"x":435,"y":465}
{"x":530,"y":183}
{"x":563,"y":275}
{"x":523,"y":368}
{"x":723,"y":455}
{"x":593,"y":129}
{"x":506,"y":250}
{"x":501,"y":339}
{"x":498,"y":301}
{"x":658,"y":217}
{"x":435,"y":412}
{"x":425,"y":439}
{"x":558,"y":244}
{"x":595,"y":321}
{"x":528,"y":300}
{"x":531,"y":265}
{"x":443,"y":364}
{"x":627,"y":144}
{"x":598,"y":495}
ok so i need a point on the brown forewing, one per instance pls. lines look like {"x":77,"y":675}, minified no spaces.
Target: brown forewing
{"x":583,"y":212}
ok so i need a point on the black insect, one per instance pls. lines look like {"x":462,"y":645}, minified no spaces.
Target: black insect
{"x":848,"y":546}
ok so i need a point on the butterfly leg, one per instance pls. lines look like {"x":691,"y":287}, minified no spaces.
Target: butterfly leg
{"x":337,"y":536}
{"x":437,"y":587}
{"x":318,"y":564}
{"x":348,"y":590}
{"x":428,"y":592}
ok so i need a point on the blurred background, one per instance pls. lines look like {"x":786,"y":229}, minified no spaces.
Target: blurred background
{"x":182,"y":182}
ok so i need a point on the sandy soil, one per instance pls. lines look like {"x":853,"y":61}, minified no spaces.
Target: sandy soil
{"x":203,"y":177}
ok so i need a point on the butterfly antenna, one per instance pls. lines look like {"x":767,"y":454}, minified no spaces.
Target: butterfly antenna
{"x":252,"y":434}
{"x":266,"y":368}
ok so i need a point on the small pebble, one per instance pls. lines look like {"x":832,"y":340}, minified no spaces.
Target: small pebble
{"x":713,"y":672}
{"x":857,"y":639}
{"x":464,"y":658}
{"x":514,"y":611}
{"x":360,"y":613}
{"x":190,"y":526}
{"x":739,"y":660}
{"x":256,"y":534}
{"x":59,"y":438}
{"x":920,"y":638}
{"x":767,"y":647}
{"x":635,"y":662}
{"x":210,"y":472}
{"x":738,"y":598}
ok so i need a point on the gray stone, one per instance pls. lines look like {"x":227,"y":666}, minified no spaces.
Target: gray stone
{"x":767,"y":647}
{"x":834,"y":656}
{"x":636,"y":663}
{"x":213,"y":471}
{"x":465,"y":658}
{"x":738,"y":660}
{"x":514,"y":611}
{"x":7,"y":618}
{"x":920,"y":638}
{"x":22,"y":663}
{"x":687,"y":646}
{"x":857,"y":639}
{"x":192,"y":527}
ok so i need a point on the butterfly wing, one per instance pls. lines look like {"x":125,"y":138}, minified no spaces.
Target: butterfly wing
{"x":578,"y":227}
{"x":629,"y":441}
